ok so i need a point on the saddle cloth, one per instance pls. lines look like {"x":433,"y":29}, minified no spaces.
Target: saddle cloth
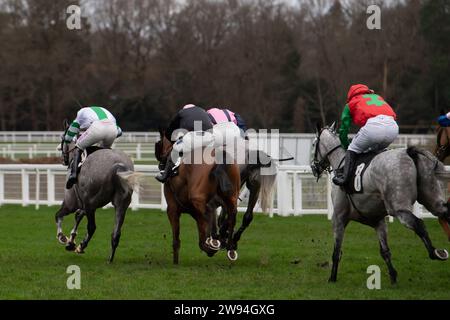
{"x":362,"y":162}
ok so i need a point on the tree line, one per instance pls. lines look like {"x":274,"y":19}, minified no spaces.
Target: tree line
{"x":279,"y":64}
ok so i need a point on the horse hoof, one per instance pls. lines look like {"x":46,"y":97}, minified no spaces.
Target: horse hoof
{"x":232,"y":255}
{"x":441,"y":254}
{"x":70,"y":246}
{"x":62,"y":239}
{"x":79,"y":250}
{"x":213,"y":243}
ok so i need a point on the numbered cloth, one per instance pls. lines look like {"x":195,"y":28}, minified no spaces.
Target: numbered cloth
{"x":362,"y":162}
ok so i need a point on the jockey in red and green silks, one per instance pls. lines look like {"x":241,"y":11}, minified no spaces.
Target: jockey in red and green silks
{"x":378,"y":126}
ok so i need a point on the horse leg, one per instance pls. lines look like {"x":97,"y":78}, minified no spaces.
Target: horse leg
{"x":121,"y":210}
{"x":59,"y":217}
{"x":212,"y":240}
{"x":174,"y":213}
{"x":381,"y":229}
{"x":90,"y":215}
{"x":248,"y":216}
{"x":409,"y":220}
{"x":231,"y":222}
{"x":201,"y":216}
{"x":79,"y":214}
{"x":339,"y":224}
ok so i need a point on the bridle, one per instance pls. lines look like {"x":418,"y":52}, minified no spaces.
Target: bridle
{"x":442,"y":149}
{"x":319,"y":166}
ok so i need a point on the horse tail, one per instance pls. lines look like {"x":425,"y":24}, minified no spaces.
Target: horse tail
{"x":128,"y":179}
{"x":426,"y":159}
{"x":219,"y":172}
{"x":267,"y":191}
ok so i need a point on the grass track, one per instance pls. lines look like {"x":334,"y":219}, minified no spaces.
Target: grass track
{"x":279,"y":258}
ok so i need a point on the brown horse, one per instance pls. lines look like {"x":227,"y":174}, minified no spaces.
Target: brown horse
{"x":442,"y":151}
{"x":192,"y":190}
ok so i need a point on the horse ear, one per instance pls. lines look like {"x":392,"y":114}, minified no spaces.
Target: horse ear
{"x":65,"y":124}
{"x":161,"y":130}
{"x":333,"y":127}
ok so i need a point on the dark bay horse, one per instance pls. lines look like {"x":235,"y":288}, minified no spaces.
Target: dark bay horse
{"x":442,"y":151}
{"x":191,"y":192}
{"x":106,"y":176}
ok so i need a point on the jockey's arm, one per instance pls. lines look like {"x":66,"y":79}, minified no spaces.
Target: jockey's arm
{"x":346,"y":122}
{"x":240,"y":122}
{"x":444,"y":121}
{"x":73,"y":130}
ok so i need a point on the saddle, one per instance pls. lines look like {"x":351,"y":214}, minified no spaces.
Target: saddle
{"x":362,"y":162}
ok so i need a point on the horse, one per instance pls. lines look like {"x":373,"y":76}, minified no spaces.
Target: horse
{"x":257,"y":184}
{"x":192,"y":190}
{"x":413,"y":175}
{"x":106,"y":176}
{"x":442,"y":151}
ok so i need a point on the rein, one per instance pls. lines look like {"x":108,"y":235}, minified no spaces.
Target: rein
{"x":441,"y":150}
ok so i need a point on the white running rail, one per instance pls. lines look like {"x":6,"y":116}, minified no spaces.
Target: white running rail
{"x":297,"y":192}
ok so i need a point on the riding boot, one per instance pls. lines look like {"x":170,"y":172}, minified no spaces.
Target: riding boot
{"x":74,"y":168}
{"x":165,"y":174}
{"x":342,"y":179}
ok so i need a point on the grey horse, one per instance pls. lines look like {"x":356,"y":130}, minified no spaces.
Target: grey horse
{"x":393,"y":181}
{"x":106,"y":176}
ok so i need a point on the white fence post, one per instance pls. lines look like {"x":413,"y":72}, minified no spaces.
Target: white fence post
{"x":163,"y":198}
{"x":297,"y":193}
{"x":50,"y":187}
{"x":38,"y":189}
{"x":2,"y":188}
{"x":25,"y":188}
{"x":281,"y":193}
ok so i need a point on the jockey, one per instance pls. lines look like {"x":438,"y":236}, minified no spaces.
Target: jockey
{"x":444,"y":120}
{"x":96,"y":125}
{"x":224,"y":115}
{"x":186,"y":120}
{"x":378,"y":127}
{"x":229,"y":130}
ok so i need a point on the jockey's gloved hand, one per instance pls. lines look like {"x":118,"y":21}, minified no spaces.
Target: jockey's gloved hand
{"x":59,"y":147}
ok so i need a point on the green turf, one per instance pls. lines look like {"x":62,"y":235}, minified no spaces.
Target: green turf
{"x":279,"y":258}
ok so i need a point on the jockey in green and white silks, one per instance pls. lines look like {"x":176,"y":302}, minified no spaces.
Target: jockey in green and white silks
{"x":93,"y":125}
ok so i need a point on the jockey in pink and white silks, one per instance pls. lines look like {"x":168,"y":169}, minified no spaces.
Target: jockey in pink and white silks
{"x":221,"y":116}
{"x":229,"y":130}
{"x":93,"y":125}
